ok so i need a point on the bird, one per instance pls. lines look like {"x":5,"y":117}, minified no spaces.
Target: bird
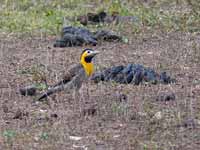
{"x":75,"y":75}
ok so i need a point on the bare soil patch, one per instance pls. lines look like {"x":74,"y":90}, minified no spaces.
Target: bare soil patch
{"x":106,"y":115}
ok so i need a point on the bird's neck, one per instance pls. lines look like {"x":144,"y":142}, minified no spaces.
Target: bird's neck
{"x":89,"y":67}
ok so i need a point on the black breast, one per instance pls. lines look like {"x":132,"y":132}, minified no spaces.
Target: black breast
{"x":88,"y":59}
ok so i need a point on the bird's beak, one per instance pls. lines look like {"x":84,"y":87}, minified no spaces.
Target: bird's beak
{"x":94,"y":53}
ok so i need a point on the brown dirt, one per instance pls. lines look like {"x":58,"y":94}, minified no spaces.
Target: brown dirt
{"x":106,"y":115}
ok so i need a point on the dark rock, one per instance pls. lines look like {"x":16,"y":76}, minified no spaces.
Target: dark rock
{"x":132,"y":73}
{"x":128,"y":69}
{"x":107,"y":36}
{"x":107,"y":74}
{"x":77,"y":36}
{"x":166,"y":96}
{"x":138,"y":77}
{"x":111,"y":73}
{"x":150,"y":75}
{"x":54,"y":115}
{"x":125,"y":76}
{"x":97,"y":77}
{"x":103,"y":17}
{"x":164,"y":78}
{"x":28,"y":91}
{"x":96,"y":17}
{"x":92,"y":18}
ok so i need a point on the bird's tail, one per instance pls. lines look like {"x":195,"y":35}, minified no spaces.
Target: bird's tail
{"x":76,"y":83}
{"x":51,"y":91}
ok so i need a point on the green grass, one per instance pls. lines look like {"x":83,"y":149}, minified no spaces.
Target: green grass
{"x":9,"y":136}
{"x":24,"y":16}
{"x":47,"y":17}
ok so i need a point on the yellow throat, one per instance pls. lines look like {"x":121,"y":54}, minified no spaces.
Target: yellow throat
{"x":89,"y":67}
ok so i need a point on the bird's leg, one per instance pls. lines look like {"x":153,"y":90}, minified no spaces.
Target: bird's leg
{"x":76,"y":96}
{"x":87,"y":91}
{"x":81,"y":99}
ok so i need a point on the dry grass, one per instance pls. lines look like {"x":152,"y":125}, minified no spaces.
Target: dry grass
{"x":103,"y":119}
{"x":106,"y":115}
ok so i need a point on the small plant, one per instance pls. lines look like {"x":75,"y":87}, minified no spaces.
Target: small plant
{"x":145,"y":147}
{"x":119,"y":109}
{"x":44,"y":136}
{"x":9,"y":135}
{"x":41,"y":86}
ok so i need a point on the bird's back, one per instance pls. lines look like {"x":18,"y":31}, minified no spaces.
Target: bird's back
{"x":69,"y":74}
{"x":78,"y":76}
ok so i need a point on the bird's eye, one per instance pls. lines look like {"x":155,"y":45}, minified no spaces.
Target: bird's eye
{"x":88,"y":52}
